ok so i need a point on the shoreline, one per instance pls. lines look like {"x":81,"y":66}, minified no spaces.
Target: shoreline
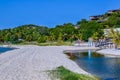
{"x":31,"y":61}
{"x":115,"y":53}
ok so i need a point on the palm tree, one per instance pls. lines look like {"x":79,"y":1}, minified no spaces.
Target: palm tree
{"x":115,"y":35}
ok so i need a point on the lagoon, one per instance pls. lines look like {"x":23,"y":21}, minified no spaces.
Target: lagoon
{"x":4,"y":49}
{"x":104,"y":67}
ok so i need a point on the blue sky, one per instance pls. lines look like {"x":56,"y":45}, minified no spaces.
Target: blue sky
{"x":50,"y":12}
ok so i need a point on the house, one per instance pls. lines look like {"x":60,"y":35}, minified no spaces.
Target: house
{"x":77,"y":27}
{"x":97,"y":17}
{"x":112,"y":11}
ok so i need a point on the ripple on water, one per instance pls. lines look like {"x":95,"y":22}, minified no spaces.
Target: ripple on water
{"x":103,"y":67}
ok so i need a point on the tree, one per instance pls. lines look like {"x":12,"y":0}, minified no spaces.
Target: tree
{"x":51,"y":37}
{"x":88,"y":29}
{"x":41,"y":39}
{"x":28,"y":38}
{"x":7,"y":37}
{"x":95,"y":36}
{"x":82,"y":21}
{"x":60,"y":41}
{"x":112,"y":20}
{"x":115,"y":35}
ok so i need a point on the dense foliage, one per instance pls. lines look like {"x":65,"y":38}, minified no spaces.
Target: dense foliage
{"x":82,"y":30}
{"x":115,"y":35}
{"x":23,"y":33}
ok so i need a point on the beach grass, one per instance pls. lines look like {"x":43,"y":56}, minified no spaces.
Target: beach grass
{"x":56,"y":44}
{"x":62,"y":73}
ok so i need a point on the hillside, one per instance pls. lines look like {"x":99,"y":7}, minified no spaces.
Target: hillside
{"x":23,"y":33}
{"x":82,"y":30}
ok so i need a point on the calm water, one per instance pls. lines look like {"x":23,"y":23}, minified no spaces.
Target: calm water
{"x":103,"y":67}
{"x":2,"y":49}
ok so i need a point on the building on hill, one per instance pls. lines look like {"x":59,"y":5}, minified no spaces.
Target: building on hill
{"x":77,"y":27}
{"x":112,"y":11}
{"x":109,"y":12}
{"x":97,"y":17}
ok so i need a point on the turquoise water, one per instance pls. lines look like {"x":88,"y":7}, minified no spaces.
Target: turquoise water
{"x":103,"y":67}
{"x":3,"y":49}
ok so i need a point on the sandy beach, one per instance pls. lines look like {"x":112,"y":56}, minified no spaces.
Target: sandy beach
{"x":112,"y":52}
{"x":32,"y":62}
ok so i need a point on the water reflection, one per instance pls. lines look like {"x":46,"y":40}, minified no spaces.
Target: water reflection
{"x":105,"y":68}
{"x":89,"y":54}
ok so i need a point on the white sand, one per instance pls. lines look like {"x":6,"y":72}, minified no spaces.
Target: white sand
{"x":31,"y":62}
{"x":110,"y":52}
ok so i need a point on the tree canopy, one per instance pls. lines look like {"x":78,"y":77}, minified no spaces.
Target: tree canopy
{"x":66,"y":32}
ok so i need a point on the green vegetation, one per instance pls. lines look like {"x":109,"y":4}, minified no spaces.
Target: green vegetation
{"x":68,"y":32}
{"x":55,"y":43}
{"x":88,"y":28}
{"x":65,"y":74}
{"x":115,"y":35}
{"x":25,"y":33}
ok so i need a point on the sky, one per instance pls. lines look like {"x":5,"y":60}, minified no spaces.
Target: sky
{"x":51,"y":12}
